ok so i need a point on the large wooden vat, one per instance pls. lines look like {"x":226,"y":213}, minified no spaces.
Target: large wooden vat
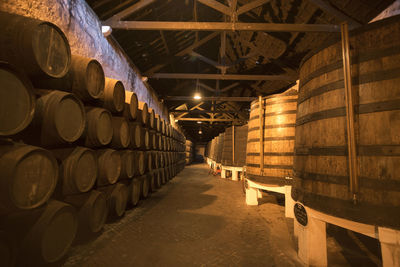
{"x":234,"y":147}
{"x":219,"y":147}
{"x":17,"y":100}
{"x":213,"y":148}
{"x":39,"y":48}
{"x":278,"y":117}
{"x":321,"y":161}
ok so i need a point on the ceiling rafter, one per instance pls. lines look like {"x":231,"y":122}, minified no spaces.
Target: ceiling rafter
{"x":220,"y":26}
{"x":206,"y":76}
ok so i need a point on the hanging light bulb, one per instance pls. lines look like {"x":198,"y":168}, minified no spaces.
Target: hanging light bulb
{"x":200,"y":132}
{"x":197,"y":94}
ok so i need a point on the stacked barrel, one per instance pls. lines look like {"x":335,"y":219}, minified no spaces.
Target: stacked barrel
{"x":75,"y":148}
{"x":189,"y":152}
{"x":234,"y":146}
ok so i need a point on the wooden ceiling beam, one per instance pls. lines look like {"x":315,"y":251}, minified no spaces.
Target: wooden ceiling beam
{"x":220,"y":26}
{"x":208,"y":119}
{"x":183,"y":52}
{"x":130,"y":10}
{"x":205,"y":111}
{"x":327,"y":7}
{"x":211,"y":98}
{"x":237,"y":77}
{"x":217,"y":6}
{"x":247,"y":7}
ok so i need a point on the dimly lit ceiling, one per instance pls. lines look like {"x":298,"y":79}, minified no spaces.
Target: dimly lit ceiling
{"x":229,"y":52}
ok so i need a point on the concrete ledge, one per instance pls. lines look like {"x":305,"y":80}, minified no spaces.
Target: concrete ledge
{"x":312,"y":238}
{"x":286,"y":190}
{"x":235,"y":172}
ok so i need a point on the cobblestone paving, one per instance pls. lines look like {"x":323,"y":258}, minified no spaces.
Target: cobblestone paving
{"x":194,"y":220}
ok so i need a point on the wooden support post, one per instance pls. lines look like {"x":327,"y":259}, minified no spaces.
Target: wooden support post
{"x":261,"y":114}
{"x":351,"y":142}
{"x":233,"y":145}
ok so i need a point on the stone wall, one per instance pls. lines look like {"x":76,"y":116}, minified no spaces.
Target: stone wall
{"x":83,"y":30}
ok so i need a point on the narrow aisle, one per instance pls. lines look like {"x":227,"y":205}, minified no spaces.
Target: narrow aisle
{"x":193,"y":220}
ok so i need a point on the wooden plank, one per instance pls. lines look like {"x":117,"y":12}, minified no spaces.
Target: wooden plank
{"x":349,"y":93}
{"x":204,"y":76}
{"x":219,"y":26}
{"x":217,"y":6}
{"x":251,"y":5}
{"x":211,"y":98}
{"x":130,"y":10}
{"x":324,"y":5}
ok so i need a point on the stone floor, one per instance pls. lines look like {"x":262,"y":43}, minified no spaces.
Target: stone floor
{"x":202,"y":220}
{"x":194,"y":220}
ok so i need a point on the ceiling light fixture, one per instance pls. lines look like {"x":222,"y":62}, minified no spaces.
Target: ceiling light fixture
{"x":200,"y":132}
{"x":106,"y":30}
{"x":199,"y":122}
{"x":197,"y":96}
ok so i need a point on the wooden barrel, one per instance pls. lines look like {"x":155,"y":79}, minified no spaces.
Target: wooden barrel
{"x":153,"y":139}
{"x":145,"y":139}
{"x":39,"y":48}
{"x":78,"y":169}
{"x":321,"y":160}
{"x":139,"y":163}
{"x":121,"y":133}
{"x":135,"y":191}
{"x":99,"y":130}
{"x":131,"y":105}
{"x":278,"y":124}
{"x":109,"y":162}
{"x":152,"y":117}
{"x":143,"y":114}
{"x":157,"y":121}
{"x":148,"y":158}
{"x":151,"y":180}
{"x":113,"y":98}
{"x":155,"y":156}
{"x":162,"y":125}
{"x":85,"y":79}
{"x":157,"y":178}
{"x":235,"y":144}
{"x":59,"y":119}
{"x":128,"y":158}
{"x":92,"y":211}
{"x":144,"y":185}
{"x":28,"y":177}
{"x":117,"y":199}
{"x":17,"y":101}
{"x":8,"y":249}
{"x":162,"y":175}
{"x":45,"y":234}
{"x":136,"y":135}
